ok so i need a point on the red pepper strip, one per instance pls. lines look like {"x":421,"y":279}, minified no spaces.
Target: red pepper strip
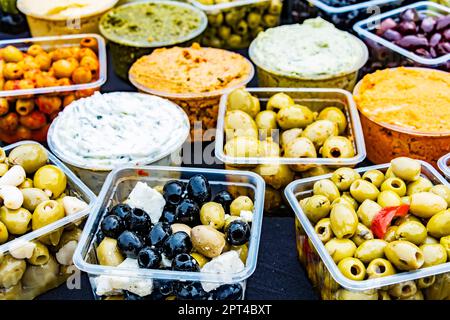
{"x":384,"y":217}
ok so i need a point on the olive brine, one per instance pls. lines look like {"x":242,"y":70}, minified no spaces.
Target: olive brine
{"x":195,"y":230}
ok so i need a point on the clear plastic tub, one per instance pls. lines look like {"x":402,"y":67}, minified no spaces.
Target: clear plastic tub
{"x":444,"y":165}
{"x":74,"y":91}
{"x":234,"y":24}
{"x":117,"y":188}
{"x":39,"y":279}
{"x":323,"y":271}
{"x":42,"y":24}
{"x":384,"y":53}
{"x":124,"y":52}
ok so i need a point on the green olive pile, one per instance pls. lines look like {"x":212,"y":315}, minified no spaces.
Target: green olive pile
{"x":236,"y":27}
{"x":33,"y":195}
{"x":350,"y":212}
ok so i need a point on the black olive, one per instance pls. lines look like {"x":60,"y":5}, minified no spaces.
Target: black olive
{"x":198,"y":189}
{"x":173,"y":192}
{"x":112,"y":226}
{"x":168,"y":214}
{"x":149,"y":258}
{"x":139,"y":221}
{"x":188,"y":212}
{"x":228,"y":292}
{"x":178,"y":242}
{"x":158,"y":234}
{"x":191,"y":291}
{"x":165,"y":287}
{"x":129,"y":244}
{"x":238,"y":233}
{"x":185,"y":262}
{"x":225,"y":199}
{"x":121,"y":210}
{"x":127,"y":295}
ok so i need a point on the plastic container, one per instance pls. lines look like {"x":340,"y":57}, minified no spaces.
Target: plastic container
{"x":43,"y":280}
{"x":342,"y":16}
{"x":323,"y":271}
{"x":76,"y":90}
{"x":44,"y":24}
{"x":234,"y":24}
{"x":124,"y":52}
{"x":117,"y":188}
{"x":444,"y":165}
{"x":384,"y":53}
{"x":386,"y":141}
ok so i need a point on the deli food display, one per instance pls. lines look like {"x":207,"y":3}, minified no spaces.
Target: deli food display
{"x":142,"y":143}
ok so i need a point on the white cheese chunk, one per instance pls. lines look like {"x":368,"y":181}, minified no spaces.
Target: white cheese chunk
{"x":166,"y":262}
{"x":65,"y":254}
{"x":23,"y":251}
{"x":246,"y":215}
{"x":227,"y":264}
{"x":146,"y":198}
{"x":73,"y":205}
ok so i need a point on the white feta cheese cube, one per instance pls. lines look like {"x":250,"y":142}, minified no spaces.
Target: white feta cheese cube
{"x":227,"y":264}
{"x":146,"y":198}
{"x":246,"y":215}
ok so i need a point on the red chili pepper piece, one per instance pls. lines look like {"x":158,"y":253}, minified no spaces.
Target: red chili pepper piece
{"x":384,"y":217}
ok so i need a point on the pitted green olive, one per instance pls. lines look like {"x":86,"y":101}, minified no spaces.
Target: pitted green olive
{"x":275,"y":7}
{"x":417,"y":296}
{"x":326,"y":188}
{"x":352,"y":268}
{"x":289,"y":135}
{"x":16,"y":221}
{"x":3,"y":233}
{"x":426,"y":204}
{"x":394,"y":184}
{"x":319,"y":131}
{"x":337,"y":147}
{"x":344,"y":177}
{"x":267,"y":121}
{"x":294,"y":116}
{"x":207,"y":241}
{"x":239,"y":123}
{"x":28,"y":183}
{"x":425,"y":282}
{"x":51,"y":179}
{"x":336,"y":115}
{"x":340,"y":249}
{"x":433,"y":254}
{"x":234,"y":41}
{"x":370,"y":250}
{"x":108,"y":253}
{"x":430,"y":240}
{"x":389,"y":236}
{"x":316,"y":207}
{"x":29,"y":156}
{"x":440,"y":290}
{"x":224,"y":32}
{"x":300,"y":148}
{"x":362,"y":190}
{"x":406,"y":168}
{"x":367,"y":212}
{"x":411,"y":231}
{"x":439,"y":224}
{"x":323,"y":230}
{"x":403,"y":290}
{"x":380,"y":267}
{"x":275,"y":175}
{"x":376,"y":177}
{"x":383,"y":295}
{"x":344,"y":221}
{"x":409,"y":217}
{"x":253,"y":20}
{"x":11,"y":271}
{"x":212,"y":214}
{"x":32,"y":197}
{"x":389,"y":198}
{"x":406,"y":200}
{"x":270,"y":20}
{"x":40,"y":255}
{"x":269,"y":149}
{"x":344,"y":199}
{"x":279,"y":101}
{"x":420,"y":185}
{"x":46,"y":213}
{"x":404,"y":255}
{"x":241,"y":99}
{"x":348,"y":197}
{"x":241,"y":28}
{"x":442,"y":191}
{"x":242,"y":147}
{"x":343,"y":294}
{"x":215,"y":20}
{"x":41,"y":276}
{"x":445,"y":242}
{"x":389,"y":174}
{"x":239,"y":204}
{"x":362,"y":234}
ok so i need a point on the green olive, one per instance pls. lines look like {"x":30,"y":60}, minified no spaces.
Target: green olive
{"x":406,"y":168}
{"x":389,"y":198}
{"x":430,"y":240}
{"x":29,"y":156}
{"x":376,"y":177}
{"x":337,"y":147}
{"x":343,"y":294}
{"x":403,"y":290}
{"x":32,"y":197}
{"x":270,"y":20}
{"x":406,"y":200}
{"x":345,"y":200}
{"x":336,"y":115}
{"x":51,"y":179}
{"x":53,"y":238}
{"x":346,"y":196}
{"x":11,"y":271}
{"x":40,"y":255}
{"x":439,"y":224}
{"x":411,"y":231}
{"x":224,"y":32}
{"x":433,"y":254}
{"x":266,"y":121}
{"x":46,"y":213}
{"x":241,"y":28}
{"x":445,"y":242}
{"x":323,"y":230}
{"x":352,"y":268}
{"x":319,"y":131}
{"x":300,"y":148}
{"x":362,"y":190}
{"x":344,"y":177}
{"x":253,"y":20}
{"x":16,"y":221}
{"x":440,"y":290}
{"x":394,"y":184}
{"x":108,"y":253}
{"x":370,"y":250}
{"x":3,"y":233}
{"x":239,"y":204}
{"x":234,"y":41}
{"x":207,"y":241}
{"x":380,"y":267}
{"x":42,"y":276}
{"x":2,"y":154}
{"x":340,"y":249}
{"x":242,"y":146}
{"x":239,"y":123}
{"x":276,"y":175}
{"x":289,"y":135}
{"x":426,"y":204}
{"x":316,"y":171}
{"x":326,"y":188}
{"x":275,"y":7}
{"x":383,"y":295}
{"x":215,"y":20}
{"x":404,"y":255}
{"x":201,"y":259}
{"x":212,"y":214}
{"x":442,"y":191}
{"x":389,"y":174}
{"x":367,"y":212}
{"x":279,"y":101}
{"x":417,"y":296}
{"x":28,"y":183}
{"x":344,"y":221}
{"x":269,"y":149}
{"x":316,"y":207}
{"x":243,"y":252}
{"x":425,"y":282}
{"x":409,"y":217}
{"x":241,"y":99}
{"x":420,"y":185}
{"x":389,"y":236}
{"x":294,"y":116}
{"x":362,"y":234}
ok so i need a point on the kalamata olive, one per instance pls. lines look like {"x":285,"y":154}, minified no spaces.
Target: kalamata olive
{"x":412,"y":41}
{"x":392,"y":35}
{"x":446,"y":47}
{"x":386,"y":24}
{"x":423,"y":52}
{"x":435,"y":38}
{"x":433,"y":53}
{"x":442,"y":49}
{"x":407,"y":27}
{"x":428,"y":24}
{"x":446,"y":34}
{"x":443,"y":22}
{"x":409,"y":15}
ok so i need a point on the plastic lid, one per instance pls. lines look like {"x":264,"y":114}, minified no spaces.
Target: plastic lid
{"x":130,"y":11}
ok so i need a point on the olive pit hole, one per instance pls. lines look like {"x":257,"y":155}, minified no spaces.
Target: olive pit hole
{"x":380,"y":269}
{"x":41,"y":259}
{"x":321,"y":230}
{"x":335,"y":152}
{"x":355,"y":270}
{"x":395,"y":184}
{"x":406,"y":289}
